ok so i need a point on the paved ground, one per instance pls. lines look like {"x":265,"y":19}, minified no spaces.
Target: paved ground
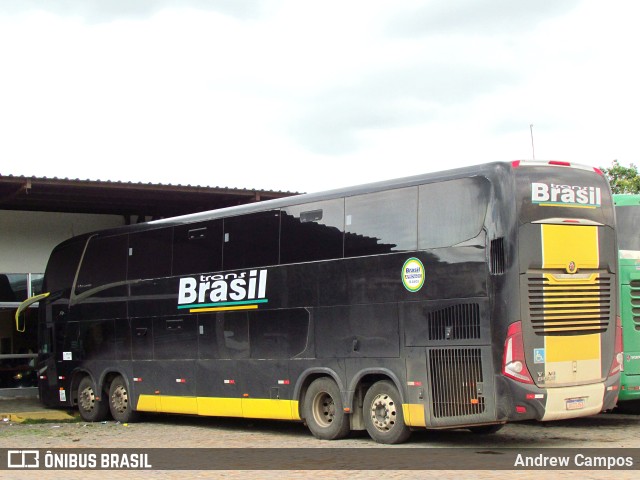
{"x":603,"y":431}
{"x":19,"y":409}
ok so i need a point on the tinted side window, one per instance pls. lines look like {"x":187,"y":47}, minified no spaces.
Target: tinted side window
{"x":236,"y":335}
{"x":62,"y":267}
{"x":210,"y":330}
{"x":312,"y":232}
{"x":150,"y":254}
{"x":104,"y":263}
{"x":251,"y":240}
{"x":381,"y":222}
{"x":452,"y":212}
{"x":175,"y":338}
{"x":278,"y":333}
{"x":197,"y":248}
{"x":97,"y":340}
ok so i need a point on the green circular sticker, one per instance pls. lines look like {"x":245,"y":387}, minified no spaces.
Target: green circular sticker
{"x":413,"y":274}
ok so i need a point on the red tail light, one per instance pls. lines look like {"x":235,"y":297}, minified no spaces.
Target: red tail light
{"x":617,"y":365}
{"x":513,"y":362}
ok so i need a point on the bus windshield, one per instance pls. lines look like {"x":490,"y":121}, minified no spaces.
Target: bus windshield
{"x":628,"y":220}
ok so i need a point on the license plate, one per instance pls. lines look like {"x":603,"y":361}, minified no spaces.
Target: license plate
{"x":575,"y":403}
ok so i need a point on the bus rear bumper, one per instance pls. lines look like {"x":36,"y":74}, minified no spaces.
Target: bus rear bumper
{"x":559,"y":403}
{"x":572,"y":402}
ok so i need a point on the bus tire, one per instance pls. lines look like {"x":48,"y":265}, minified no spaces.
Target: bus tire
{"x":91,"y":405}
{"x":120,"y":402}
{"x":323,"y":410}
{"x":383,"y":415}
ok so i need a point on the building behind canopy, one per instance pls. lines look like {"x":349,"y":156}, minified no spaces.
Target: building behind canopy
{"x":38,"y":213}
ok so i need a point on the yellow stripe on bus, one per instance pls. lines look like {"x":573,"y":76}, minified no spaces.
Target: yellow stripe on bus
{"x":562,"y":244}
{"x":571,"y":358}
{"x":221,"y":407}
{"x":565,"y":205}
{"x":223,"y":309}
{"x":247,"y":407}
{"x":414,"y":414}
{"x":576,"y":347}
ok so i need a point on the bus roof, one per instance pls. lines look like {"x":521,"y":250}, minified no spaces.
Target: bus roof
{"x":487,"y":169}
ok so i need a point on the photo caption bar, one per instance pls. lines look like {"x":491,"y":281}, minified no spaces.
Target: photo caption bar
{"x":320,"y":459}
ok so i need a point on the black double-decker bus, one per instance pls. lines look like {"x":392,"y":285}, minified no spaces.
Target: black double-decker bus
{"x":465,"y":298}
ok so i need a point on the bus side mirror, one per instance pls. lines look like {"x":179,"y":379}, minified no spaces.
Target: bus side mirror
{"x":26,"y":304}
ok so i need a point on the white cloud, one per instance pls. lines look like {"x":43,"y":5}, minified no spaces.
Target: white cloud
{"x":306,"y":96}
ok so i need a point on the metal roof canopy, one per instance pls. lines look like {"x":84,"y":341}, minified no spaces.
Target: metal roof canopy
{"x":120,"y":198}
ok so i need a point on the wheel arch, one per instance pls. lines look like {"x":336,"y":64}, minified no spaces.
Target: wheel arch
{"x":308,"y":377}
{"x":101,"y":382}
{"x":361,"y":382}
{"x":109,"y":374}
{"x":76,"y":377}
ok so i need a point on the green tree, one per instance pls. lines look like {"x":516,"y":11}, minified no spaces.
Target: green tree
{"x":622,"y":179}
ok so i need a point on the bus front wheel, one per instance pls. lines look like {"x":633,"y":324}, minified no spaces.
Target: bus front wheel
{"x":90,"y":403}
{"x":324,"y":412}
{"x":120,"y":402}
{"x":383,"y":416}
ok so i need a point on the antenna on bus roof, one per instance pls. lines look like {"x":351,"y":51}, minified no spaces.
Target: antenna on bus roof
{"x":532,"y":149}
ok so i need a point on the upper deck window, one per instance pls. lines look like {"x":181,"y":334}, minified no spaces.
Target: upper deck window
{"x":312,"y":232}
{"x":197,"y":248}
{"x":62,"y":267}
{"x":149,"y":254}
{"x":452,"y":212}
{"x":251,"y":240}
{"x":104,"y":263}
{"x":381,"y":222}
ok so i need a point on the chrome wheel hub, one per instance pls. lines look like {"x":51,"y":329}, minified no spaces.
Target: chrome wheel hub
{"x":383,"y":412}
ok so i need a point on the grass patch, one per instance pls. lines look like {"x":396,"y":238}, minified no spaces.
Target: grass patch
{"x":39,"y":421}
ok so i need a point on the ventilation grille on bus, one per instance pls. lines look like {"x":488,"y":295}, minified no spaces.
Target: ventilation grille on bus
{"x":456,"y":382}
{"x":497,"y":256}
{"x":635,"y":302}
{"x":569,"y":307}
{"x":456,"y":322}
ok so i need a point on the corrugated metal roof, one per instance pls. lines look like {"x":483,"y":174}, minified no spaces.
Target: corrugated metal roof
{"x":150,"y":184}
{"x":121,"y":198}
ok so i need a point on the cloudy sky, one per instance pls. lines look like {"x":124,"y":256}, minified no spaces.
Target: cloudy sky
{"x":304,"y":95}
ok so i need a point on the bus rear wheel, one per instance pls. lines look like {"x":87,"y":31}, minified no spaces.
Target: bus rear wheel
{"x":383,"y":416}
{"x":324,"y":412}
{"x":120,"y":402}
{"x":90,"y":403}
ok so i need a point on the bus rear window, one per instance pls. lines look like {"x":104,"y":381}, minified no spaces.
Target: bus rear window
{"x":545,"y":193}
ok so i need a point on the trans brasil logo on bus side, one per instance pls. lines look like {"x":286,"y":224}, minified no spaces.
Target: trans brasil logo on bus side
{"x":223,"y":292}
{"x":413,"y":274}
